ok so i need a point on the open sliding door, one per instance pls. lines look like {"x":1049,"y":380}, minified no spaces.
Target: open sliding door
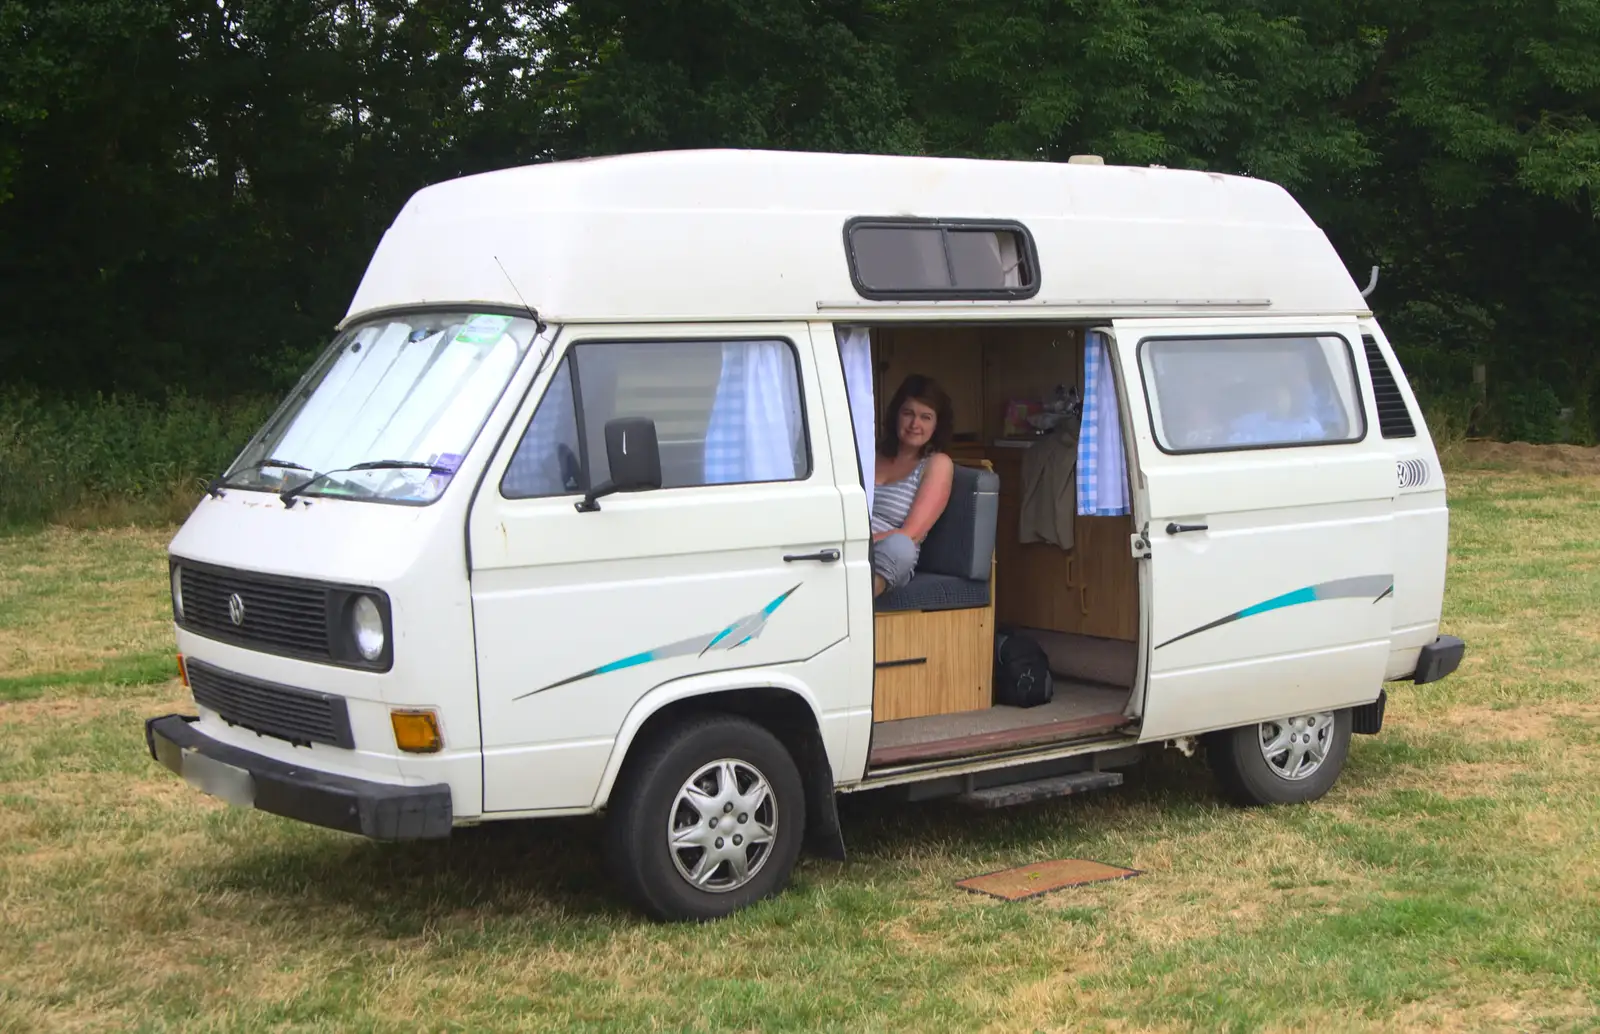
{"x":1268,"y":507}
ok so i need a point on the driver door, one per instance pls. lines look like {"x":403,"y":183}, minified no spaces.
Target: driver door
{"x":735,"y":563}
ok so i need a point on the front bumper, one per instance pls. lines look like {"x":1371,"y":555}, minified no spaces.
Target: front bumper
{"x":381,"y":811}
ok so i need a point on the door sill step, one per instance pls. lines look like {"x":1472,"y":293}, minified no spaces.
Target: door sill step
{"x":1039,"y":789}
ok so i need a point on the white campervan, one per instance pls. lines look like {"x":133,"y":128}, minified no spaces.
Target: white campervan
{"x":571,"y":517}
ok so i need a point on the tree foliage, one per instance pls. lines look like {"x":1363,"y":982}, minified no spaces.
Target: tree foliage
{"x":189,"y":189}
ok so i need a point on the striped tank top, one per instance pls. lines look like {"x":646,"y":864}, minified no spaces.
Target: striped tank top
{"x":891,"y":501}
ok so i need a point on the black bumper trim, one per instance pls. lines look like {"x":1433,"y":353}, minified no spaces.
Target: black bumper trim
{"x":381,"y":811}
{"x":1438,"y":659}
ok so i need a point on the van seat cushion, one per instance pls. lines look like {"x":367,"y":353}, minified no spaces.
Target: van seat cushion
{"x":928,"y":591}
{"x":961,"y":541}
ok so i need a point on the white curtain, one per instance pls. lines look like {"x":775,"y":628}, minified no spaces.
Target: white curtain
{"x":755,"y":432}
{"x":1004,"y":247}
{"x":1102,"y":463}
{"x":855,"y":352}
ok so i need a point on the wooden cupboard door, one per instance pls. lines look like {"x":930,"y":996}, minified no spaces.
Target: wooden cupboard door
{"x":1091,"y":590}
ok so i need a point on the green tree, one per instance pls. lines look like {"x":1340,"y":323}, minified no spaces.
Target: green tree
{"x":191,"y":188}
{"x":195,"y":187}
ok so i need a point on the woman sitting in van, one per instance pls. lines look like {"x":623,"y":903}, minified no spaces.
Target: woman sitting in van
{"x":912,"y":478}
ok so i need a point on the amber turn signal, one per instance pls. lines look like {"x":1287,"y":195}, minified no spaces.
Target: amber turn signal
{"x":183,"y":671}
{"x":417,"y":732}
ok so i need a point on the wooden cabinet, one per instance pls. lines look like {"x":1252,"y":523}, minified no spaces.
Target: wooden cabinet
{"x":1092,"y":590}
{"x":932,"y":662}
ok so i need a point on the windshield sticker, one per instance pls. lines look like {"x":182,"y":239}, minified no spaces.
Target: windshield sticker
{"x":483,"y":329}
{"x":445,"y":465}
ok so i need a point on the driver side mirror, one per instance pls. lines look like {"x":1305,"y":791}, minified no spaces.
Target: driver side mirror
{"x":634,"y":456}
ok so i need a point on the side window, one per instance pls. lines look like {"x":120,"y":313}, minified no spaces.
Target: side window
{"x":932,"y":258}
{"x":1215,"y":394}
{"x":546,"y":461}
{"x":726,"y":412}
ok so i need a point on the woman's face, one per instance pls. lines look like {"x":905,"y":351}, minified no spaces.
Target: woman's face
{"x":917,"y":421}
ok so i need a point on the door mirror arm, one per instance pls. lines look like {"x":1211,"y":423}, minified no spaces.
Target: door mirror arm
{"x":590,"y":503}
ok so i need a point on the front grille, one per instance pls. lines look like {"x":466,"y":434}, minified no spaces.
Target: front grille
{"x":301,"y":716}
{"x":278,"y":615}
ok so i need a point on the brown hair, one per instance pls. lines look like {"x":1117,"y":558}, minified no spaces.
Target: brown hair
{"x":926,"y":391}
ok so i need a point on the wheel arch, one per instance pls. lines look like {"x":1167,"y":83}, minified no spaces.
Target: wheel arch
{"x":780,"y":705}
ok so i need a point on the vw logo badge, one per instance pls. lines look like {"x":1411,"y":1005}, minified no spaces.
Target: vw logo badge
{"x":236,"y":609}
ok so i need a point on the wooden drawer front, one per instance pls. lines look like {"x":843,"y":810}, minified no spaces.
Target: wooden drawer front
{"x":896,"y":637}
{"x":957,"y":674}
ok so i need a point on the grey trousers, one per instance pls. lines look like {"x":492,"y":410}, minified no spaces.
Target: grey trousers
{"x":894,"y":559}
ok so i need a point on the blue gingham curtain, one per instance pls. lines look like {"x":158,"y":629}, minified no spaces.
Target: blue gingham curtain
{"x":754,"y":432}
{"x":1102,"y":464}
{"x":535,"y":468}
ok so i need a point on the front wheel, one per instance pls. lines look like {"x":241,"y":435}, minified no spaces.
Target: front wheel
{"x":1284,"y":761}
{"x":707,"y":820}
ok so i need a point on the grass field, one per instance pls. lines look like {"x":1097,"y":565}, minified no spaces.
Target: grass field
{"x":1450,"y":882}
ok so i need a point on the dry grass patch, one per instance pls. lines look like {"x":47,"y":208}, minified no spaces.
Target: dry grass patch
{"x":1573,"y":1011}
{"x":1448,"y":883}
{"x":72,"y":600}
{"x":1494,"y":723}
{"x":1525,"y":459}
{"x":46,"y":711}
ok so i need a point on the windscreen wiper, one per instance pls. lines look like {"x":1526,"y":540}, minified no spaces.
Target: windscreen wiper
{"x":288,"y":496}
{"x":215,"y":486}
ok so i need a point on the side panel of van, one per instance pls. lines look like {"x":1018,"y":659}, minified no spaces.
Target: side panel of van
{"x":1269,"y":497}
{"x":1422,"y":520}
{"x":580,"y":615}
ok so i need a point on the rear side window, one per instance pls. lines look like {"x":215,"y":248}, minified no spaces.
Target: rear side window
{"x":726,"y":412}
{"x":1216,"y":394}
{"x":924,"y":258}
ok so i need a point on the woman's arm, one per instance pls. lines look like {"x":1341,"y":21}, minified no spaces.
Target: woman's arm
{"x":932,"y":495}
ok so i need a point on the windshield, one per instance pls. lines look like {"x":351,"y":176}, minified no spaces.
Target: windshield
{"x":410,"y":393}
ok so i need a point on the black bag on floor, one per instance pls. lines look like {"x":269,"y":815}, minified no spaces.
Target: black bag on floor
{"x":1021,"y":671}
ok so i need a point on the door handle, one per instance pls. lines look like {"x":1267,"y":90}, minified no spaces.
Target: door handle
{"x":1179,"y":529}
{"x":827,"y":556}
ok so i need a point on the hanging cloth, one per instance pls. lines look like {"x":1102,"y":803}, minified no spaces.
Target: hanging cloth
{"x":755,"y":430}
{"x":1102,"y":463}
{"x":1049,"y":488}
{"x":855,"y":353}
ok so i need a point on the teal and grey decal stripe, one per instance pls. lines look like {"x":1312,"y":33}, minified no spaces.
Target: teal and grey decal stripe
{"x":1378,"y":586}
{"x":731,"y":638}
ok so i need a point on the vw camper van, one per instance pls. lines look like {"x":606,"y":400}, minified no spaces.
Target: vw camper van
{"x":573,"y":515}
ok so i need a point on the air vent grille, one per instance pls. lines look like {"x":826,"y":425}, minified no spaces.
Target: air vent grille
{"x":1394,"y":420}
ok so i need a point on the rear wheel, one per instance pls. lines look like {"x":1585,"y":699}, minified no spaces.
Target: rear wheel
{"x":707,"y":820}
{"x":1284,"y":761}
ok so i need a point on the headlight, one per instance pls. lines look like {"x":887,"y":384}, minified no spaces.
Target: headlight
{"x":366,"y":627}
{"x":177,"y":593}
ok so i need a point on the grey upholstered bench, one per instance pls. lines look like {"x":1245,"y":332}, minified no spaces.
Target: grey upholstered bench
{"x":953,"y":569}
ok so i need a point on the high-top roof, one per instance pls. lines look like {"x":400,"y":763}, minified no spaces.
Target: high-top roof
{"x":724,"y":234}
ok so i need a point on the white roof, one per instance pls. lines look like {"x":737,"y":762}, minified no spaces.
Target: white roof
{"x":720,"y":234}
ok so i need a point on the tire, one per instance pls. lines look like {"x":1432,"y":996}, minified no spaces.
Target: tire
{"x":654,"y":796}
{"x":1239,"y":757}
